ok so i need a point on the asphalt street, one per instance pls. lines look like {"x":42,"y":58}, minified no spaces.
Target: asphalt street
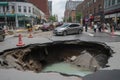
{"x":47,"y":37}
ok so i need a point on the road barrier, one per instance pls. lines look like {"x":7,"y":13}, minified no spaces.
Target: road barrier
{"x":20,"y":42}
{"x":30,"y":35}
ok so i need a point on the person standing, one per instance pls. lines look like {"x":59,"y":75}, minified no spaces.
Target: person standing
{"x":86,"y":26}
{"x":99,"y":26}
{"x":95,"y":27}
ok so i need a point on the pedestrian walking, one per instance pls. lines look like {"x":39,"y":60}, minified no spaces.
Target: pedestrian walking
{"x":95,"y":27}
{"x":29,"y":27}
{"x":86,"y":26}
{"x":114,"y":26}
{"x":111,"y":27}
{"x":99,"y":26}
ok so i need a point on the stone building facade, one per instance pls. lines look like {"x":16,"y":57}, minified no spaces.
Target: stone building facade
{"x":17,"y":14}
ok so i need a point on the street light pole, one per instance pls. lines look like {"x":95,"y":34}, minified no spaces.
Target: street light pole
{"x":5,"y":16}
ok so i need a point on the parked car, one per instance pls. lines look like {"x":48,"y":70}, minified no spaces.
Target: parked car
{"x":47,"y":27}
{"x":2,"y":34}
{"x":37,"y":27}
{"x":68,"y":28}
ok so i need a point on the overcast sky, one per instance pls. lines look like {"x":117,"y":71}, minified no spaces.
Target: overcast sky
{"x":58,"y":7}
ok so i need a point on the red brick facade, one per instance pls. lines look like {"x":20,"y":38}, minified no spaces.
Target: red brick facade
{"x":90,"y":8}
{"x":42,"y":5}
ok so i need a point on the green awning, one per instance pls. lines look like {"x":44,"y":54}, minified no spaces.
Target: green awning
{"x":8,"y":15}
{"x":3,"y":3}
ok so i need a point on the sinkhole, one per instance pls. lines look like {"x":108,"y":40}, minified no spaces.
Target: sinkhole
{"x":67,"y":57}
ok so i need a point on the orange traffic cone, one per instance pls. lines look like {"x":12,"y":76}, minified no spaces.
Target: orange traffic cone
{"x":30,"y":35}
{"x":112,"y":33}
{"x":20,"y":43}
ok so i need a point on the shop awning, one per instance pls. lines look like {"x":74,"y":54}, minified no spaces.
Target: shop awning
{"x":3,"y":3}
{"x":11,"y":15}
{"x":7,"y":15}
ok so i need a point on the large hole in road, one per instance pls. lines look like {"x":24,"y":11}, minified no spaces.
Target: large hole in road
{"x":37,"y":57}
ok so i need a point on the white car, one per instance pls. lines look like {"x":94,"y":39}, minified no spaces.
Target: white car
{"x":37,"y":27}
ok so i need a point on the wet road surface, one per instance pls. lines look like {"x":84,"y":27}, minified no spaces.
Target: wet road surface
{"x":112,"y":41}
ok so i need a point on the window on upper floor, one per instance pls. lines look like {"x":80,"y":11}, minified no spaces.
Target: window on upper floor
{"x":109,"y":2}
{"x":94,"y":10}
{"x":33,"y":11}
{"x":13,"y":7}
{"x":94,"y":1}
{"x":19,"y":8}
{"x":29,"y":9}
{"x":7,"y":8}
{"x":25,"y":9}
{"x":118,"y":1}
{"x":113,"y":2}
{"x":3,"y":8}
{"x":88,"y":4}
{"x":0,"y":9}
{"x":105,"y":4}
{"x":99,"y":7}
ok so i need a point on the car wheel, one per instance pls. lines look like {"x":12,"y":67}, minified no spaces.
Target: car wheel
{"x":80,"y":31}
{"x":64,"y":33}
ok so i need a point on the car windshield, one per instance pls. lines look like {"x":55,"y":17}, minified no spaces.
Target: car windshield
{"x":65,"y":25}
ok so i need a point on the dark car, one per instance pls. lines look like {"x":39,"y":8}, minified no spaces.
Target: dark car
{"x":47,"y":27}
{"x":68,"y":28}
{"x":2,"y":34}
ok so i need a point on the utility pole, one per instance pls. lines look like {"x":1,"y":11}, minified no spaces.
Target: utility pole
{"x":5,"y":18}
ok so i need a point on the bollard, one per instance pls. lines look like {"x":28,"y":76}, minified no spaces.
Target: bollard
{"x":20,"y":43}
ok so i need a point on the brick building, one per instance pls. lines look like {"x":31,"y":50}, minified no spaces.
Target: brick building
{"x":92,"y":10}
{"x":70,"y":10}
{"x":42,"y":5}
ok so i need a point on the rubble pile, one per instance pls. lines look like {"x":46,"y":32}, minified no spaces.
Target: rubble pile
{"x":35,"y":57}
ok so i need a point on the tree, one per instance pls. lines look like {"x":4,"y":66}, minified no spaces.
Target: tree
{"x":69,"y":19}
{"x":78,"y":16}
{"x":53,"y":18}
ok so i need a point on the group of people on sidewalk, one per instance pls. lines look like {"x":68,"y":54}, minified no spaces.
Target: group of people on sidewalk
{"x":101,"y":26}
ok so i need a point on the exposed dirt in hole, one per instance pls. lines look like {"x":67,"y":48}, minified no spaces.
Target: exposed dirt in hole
{"x":35,"y":57}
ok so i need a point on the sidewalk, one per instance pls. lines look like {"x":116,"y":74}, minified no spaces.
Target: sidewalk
{"x":106,"y":31}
